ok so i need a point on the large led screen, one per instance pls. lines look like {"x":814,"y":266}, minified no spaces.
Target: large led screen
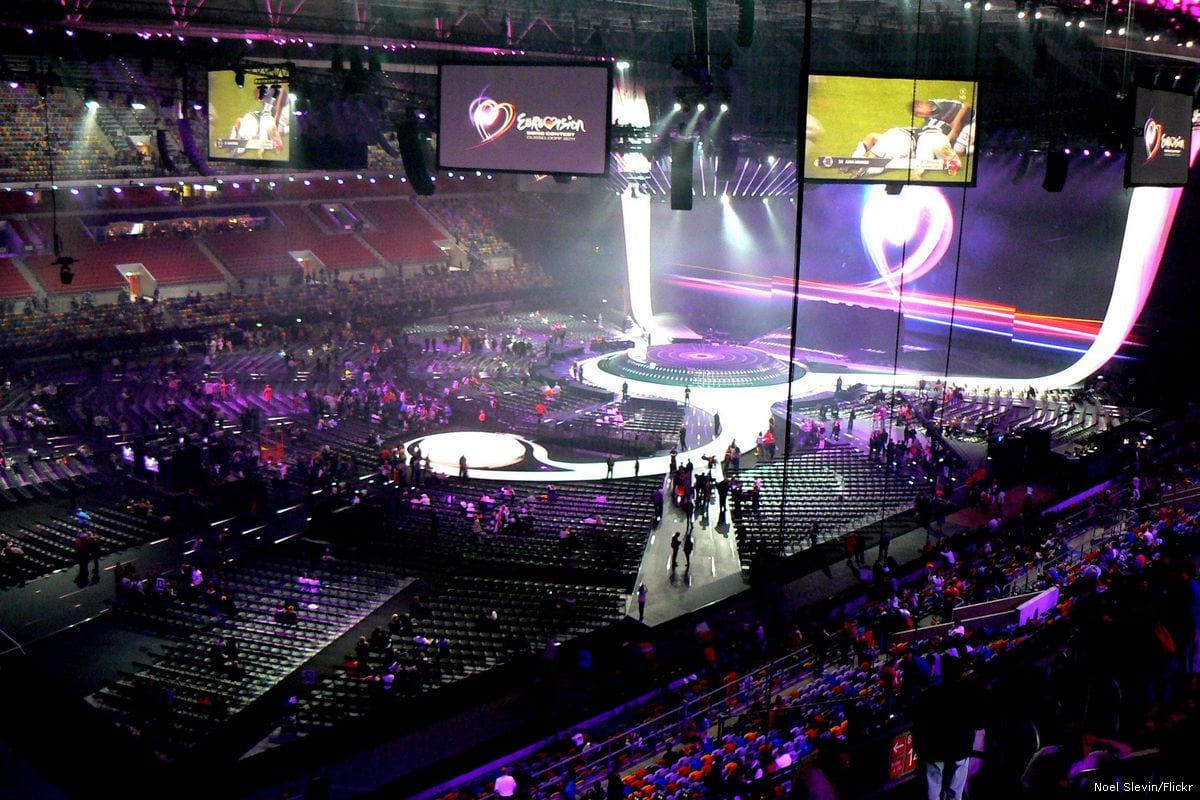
{"x":542,"y":119}
{"x":890,"y":130}
{"x":1024,"y":276}
{"x":251,"y":122}
{"x":1162,"y":139}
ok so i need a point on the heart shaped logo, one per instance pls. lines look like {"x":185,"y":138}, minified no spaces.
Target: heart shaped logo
{"x":905,"y":235}
{"x":491,"y":119}
{"x":1152,"y":134}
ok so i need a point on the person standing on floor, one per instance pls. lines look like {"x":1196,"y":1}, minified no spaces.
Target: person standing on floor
{"x":641,"y":598}
{"x":689,"y":544}
{"x":675,"y":543}
{"x":945,"y":720}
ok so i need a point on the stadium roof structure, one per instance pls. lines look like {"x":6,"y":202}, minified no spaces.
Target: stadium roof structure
{"x":1051,"y":71}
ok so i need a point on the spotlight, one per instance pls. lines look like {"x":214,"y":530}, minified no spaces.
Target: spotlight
{"x":678,"y":105}
{"x":724,"y":107}
{"x":700,"y":106}
{"x":622,"y":65}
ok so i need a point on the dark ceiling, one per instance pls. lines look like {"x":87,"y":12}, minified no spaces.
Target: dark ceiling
{"x":1043,"y":79}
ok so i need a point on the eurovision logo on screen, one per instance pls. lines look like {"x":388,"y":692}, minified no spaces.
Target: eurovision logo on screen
{"x":493,"y":119}
{"x":1161,"y":142}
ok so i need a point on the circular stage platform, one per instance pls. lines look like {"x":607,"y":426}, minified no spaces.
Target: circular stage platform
{"x":716,"y":366}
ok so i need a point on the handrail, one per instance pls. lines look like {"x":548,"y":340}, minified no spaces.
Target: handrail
{"x":723,"y":698}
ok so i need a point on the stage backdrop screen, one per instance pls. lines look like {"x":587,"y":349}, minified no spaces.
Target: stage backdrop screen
{"x":542,"y":119}
{"x":1162,"y":139}
{"x":252,"y":122}
{"x":890,"y":130}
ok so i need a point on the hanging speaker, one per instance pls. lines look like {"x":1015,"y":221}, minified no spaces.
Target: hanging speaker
{"x":1056,"y":171}
{"x":683,"y":151}
{"x":164,"y":150}
{"x":412,"y":156}
{"x":745,"y":31}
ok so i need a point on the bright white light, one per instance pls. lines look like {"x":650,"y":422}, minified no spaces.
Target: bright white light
{"x":678,"y":105}
{"x":700,"y":106}
{"x":137,"y":105}
{"x":635,"y":214}
{"x":724,"y":107}
{"x":724,"y":199}
{"x":92,"y":105}
{"x":771,"y":160}
{"x":1021,"y":14}
{"x":622,"y":65}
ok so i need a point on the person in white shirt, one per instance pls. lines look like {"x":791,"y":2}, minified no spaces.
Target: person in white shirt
{"x":506,"y":784}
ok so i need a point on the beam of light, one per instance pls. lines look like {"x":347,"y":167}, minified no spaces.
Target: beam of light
{"x":653,"y":177}
{"x":635,"y":214}
{"x":663,"y":123}
{"x":757,"y":169}
{"x":741,"y":175}
{"x":786,"y":175}
{"x":770,"y":168}
{"x":734,"y":229}
{"x":703,"y":188}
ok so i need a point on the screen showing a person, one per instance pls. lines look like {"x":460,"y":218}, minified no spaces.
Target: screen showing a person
{"x":1162,"y":139}
{"x":250,"y":122}
{"x":890,"y":130}
{"x":542,"y":119}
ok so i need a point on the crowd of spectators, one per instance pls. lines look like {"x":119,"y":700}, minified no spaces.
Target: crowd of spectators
{"x":1099,"y":710}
